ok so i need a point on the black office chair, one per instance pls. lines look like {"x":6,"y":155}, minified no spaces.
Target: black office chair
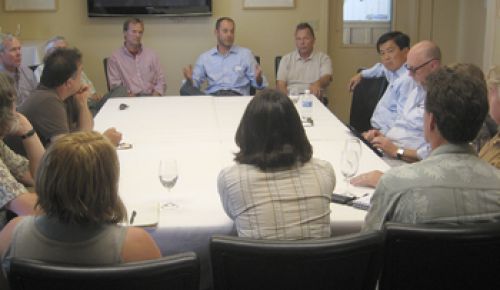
{"x":172,"y":272}
{"x":364,"y":100}
{"x":348,"y":262}
{"x":252,"y":89}
{"x":105,"y":63}
{"x":441,"y":257}
{"x":277,"y":61}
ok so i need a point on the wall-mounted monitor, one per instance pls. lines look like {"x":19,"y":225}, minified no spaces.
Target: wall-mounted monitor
{"x":107,"y":8}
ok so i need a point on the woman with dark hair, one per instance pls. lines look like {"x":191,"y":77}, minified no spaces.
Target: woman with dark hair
{"x":276,"y":190}
{"x":77,"y":186}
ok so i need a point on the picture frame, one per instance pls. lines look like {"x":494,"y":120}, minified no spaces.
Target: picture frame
{"x":268,"y":4}
{"x":30,"y":5}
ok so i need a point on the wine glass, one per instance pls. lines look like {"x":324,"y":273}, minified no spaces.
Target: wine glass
{"x":349,"y":161}
{"x":167,"y":172}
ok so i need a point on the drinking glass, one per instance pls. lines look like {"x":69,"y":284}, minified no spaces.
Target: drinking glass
{"x":167,"y":172}
{"x":294,"y":95}
{"x":349,"y":161}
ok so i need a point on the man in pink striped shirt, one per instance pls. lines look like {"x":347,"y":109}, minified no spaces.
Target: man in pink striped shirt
{"x":135,"y":67}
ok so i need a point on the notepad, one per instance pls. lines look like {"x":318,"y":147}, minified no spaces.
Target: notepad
{"x":362,"y":202}
{"x":146,"y":214}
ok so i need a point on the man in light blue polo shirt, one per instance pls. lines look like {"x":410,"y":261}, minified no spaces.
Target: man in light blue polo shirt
{"x":230,"y":70}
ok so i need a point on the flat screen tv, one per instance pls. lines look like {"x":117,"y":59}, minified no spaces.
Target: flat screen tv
{"x":100,"y":8}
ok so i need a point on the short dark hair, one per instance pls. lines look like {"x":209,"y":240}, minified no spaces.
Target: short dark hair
{"x":77,"y":180}
{"x":219,"y":21}
{"x":270,"y":134}
{"x":133,"y":20}
{"x":402,"y":40}
{"x":305,"y":25}
{"x":457,"y":98}
{"x":60,"y":66}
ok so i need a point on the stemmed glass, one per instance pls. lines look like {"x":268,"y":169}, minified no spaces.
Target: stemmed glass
{"x":167,"y":172}
{"x":349,"y":162}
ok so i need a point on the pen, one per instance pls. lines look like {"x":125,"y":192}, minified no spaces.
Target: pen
{"x":132,"y":217}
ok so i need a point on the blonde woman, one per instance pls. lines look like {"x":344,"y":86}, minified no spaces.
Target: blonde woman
{"x":491,"y":150}
{"x":77,"y":184}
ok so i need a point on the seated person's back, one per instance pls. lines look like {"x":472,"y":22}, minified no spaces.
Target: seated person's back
{"x":276,"y":190}
{"x":77,"y":184}
{"x":452,"y":184}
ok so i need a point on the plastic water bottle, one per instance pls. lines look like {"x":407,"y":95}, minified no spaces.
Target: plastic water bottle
{"x":306,"y":106}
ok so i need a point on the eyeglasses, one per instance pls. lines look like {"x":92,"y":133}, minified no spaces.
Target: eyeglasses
{"x":414,"y":70}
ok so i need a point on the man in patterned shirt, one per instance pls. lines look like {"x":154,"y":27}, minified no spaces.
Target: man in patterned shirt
{"x":452,"y":184}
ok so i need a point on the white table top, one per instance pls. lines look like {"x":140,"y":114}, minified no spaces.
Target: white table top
{"x":199,"y":133}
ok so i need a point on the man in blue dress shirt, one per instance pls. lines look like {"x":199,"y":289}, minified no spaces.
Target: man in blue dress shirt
{"x":230,"y":70}
{"x":393,"y":49}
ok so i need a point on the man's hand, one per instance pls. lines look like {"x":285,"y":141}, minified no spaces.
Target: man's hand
{"x":370,"y":134}
{"x":386,"y":145}
{"x":96,"y":97}
{"x":258,"y":74}
{"x":82,"y":95}
{"x":354,"y":81}
{"x":188,"y":72}
{"x":369,"y":179}
{"x":315,"y":89}
{"x":114,"y":136}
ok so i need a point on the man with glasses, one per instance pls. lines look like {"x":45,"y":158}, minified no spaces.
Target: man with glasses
{"x":405,"y":139}
{"x":393,"y":49}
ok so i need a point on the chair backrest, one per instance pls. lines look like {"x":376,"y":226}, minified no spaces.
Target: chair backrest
{"x":172,"y":272}
{"x":364,"y":100}
{"x":349,"y":262}
{"x":252,"y":89}
{"x":105,"y":63}
{"x":441,"y":257}
{"x":277,"y":61}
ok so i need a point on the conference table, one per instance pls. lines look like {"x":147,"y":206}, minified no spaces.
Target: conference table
{"x":199,"y":133}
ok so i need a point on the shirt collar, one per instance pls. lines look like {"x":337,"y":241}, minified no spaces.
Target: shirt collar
{"x":11,"y":74}
{"x":232,"y":50}
{"x":453,"y":148}
{"x":127,"y":52}
{"x":298,"y":57}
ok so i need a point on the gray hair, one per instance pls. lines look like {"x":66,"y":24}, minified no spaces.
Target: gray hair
{"x":5,"y":37}
{"x":50,"y":44}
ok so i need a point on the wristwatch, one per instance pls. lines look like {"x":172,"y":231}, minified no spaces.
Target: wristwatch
{"x":28,"y":134}
{"x":399,"y":153}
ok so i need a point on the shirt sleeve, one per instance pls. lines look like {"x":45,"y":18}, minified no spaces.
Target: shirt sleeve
{"x":375,"y":71}
{"x":160,"y":84}
{"x":251,"y":73}
{"x":50,"y":119}
{"x":223,"y":193}
{"x":11,"y":166}
{"x":199,"y":73}
{"x":380,"y":207}
{"x":325,"y":65}
{"x":283,"y":68}
{"x":113,"y":70}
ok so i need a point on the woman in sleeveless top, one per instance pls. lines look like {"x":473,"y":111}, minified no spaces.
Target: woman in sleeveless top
{"x":77,"y":186}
